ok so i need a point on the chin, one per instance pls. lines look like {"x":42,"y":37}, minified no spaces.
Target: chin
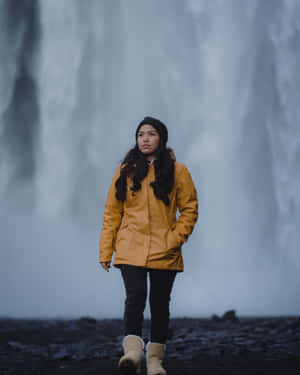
{"x":147,"y":152}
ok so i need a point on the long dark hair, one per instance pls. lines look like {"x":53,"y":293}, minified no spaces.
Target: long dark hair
{"x":135,"y":165}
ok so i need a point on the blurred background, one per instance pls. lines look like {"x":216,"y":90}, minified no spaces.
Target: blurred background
{"x":76,"y":77}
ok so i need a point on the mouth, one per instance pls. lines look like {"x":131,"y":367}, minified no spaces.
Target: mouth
{"x":146,"y":146}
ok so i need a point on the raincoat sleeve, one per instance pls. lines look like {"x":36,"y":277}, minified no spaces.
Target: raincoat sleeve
{"x":187,"y":203}
{"x":113,"y":214}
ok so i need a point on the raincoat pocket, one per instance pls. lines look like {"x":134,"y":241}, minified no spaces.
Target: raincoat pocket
{"x":172,"y":242}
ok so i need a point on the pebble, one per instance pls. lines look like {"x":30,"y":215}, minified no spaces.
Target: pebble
{"x":88,"y":338}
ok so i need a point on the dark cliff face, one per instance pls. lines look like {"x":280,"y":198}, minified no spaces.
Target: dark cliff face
{"x":206,"y":346}
{"x":20,"y":32}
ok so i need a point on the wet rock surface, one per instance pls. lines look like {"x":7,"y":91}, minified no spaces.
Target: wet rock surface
{"x":225,"y":345}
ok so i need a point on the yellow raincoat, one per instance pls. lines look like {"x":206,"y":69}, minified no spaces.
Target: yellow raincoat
{"x":142,"y":230}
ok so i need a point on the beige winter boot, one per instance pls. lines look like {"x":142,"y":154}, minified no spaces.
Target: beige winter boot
{"x":130,"y":362}
{"x":154,"y":357}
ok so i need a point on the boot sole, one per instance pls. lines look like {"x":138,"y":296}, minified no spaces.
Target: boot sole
{"x":127,"y":367}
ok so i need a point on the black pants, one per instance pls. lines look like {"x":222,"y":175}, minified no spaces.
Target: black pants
{"x":135,"y":281}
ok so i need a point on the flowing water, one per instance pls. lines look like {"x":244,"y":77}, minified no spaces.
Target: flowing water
{"x":74,"y":82}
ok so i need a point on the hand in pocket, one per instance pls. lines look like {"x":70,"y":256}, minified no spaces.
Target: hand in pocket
{"x":172,"y":242}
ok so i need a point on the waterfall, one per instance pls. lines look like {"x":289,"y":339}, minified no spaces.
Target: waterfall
{"x":283,"y":126}
{"x":18,"y":101}
{"x":75,"y":80}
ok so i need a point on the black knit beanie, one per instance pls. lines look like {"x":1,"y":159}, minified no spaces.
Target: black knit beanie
{"x":158,"y":125}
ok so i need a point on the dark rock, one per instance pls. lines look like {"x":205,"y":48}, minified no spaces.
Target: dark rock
{"x":294,"y":324}
{"x":87,"y":322}
{"x":215,"y":318}
{"x":61,"y":354}
{"x":230,"y":315}
{"x":206,"y":346}
{"x":16,"y":345}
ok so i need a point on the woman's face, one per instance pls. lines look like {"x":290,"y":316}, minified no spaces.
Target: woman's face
{"x":147,"y":139}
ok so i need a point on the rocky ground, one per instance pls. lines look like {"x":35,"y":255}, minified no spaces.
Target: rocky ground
{"x":219,"y":345}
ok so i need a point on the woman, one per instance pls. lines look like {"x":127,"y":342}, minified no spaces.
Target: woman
{"x":140,"y":226}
